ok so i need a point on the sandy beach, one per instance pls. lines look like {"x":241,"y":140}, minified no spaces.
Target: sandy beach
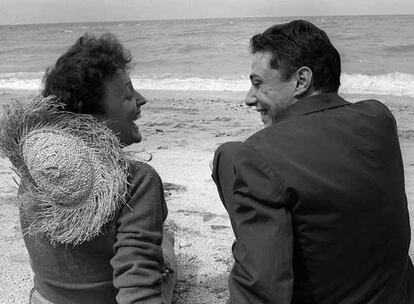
{"x":181,"y":131}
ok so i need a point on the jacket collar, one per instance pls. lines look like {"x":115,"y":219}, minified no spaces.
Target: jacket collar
{"x":312,"y":104}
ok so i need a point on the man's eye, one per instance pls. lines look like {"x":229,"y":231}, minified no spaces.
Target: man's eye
{"x":256,"y":84}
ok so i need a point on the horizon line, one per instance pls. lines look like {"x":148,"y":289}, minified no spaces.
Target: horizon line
{"x":202,"y":18}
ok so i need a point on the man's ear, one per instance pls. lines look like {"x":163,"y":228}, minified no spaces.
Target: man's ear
{"x":303,"y":81}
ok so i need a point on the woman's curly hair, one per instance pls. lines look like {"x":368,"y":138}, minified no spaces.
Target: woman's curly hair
{"x":77,"y":78}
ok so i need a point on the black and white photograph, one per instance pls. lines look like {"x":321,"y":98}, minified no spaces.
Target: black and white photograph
{"x":206,"y":152}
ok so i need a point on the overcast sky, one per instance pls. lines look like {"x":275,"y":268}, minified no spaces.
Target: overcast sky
{"x":55,"y":11}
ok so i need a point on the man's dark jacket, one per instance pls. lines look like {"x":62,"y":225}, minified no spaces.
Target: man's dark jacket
{"x":318,"y":206}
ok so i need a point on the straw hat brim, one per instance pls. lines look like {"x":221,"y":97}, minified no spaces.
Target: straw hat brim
{"x":37,"y":132}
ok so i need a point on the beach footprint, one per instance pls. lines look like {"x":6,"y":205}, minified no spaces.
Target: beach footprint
{"x":172,"y":189}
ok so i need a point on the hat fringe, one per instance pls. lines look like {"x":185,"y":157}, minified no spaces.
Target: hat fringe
{"x":59,"y":223}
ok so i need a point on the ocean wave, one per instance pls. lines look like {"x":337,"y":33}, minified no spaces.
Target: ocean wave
{"x":21,"y":84}
{"x":193,"y":48}
{"x":190,"y":84}
{"x":403,"y":48}
{"x":396,"y":84}
{"x":21,"y":81}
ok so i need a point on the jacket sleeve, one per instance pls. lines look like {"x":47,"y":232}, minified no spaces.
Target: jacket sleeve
{"x":138,"y":255}
{"x":259,"y":212}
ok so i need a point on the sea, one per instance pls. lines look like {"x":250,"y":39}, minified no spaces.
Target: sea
{"x":377,"y":52}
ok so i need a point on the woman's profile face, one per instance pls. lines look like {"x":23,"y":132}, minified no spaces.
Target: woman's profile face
{"x":122,"y":106}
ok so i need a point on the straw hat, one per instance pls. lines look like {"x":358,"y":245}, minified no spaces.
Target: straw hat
{"x":72,"y":169}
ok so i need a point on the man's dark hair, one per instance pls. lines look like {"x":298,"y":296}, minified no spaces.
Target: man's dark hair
{"x":78,"y":75}
{"x":300,"y":43}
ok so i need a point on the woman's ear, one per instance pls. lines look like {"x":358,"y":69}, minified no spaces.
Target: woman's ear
{"x":303,"y":81}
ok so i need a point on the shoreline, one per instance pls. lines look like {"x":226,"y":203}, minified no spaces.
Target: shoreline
{"x":230,"y":95}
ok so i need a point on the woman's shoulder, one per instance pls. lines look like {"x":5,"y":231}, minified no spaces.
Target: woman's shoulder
{"x":140,"y":168}
{"x":142,"y":175}
{"x":145,"y":189}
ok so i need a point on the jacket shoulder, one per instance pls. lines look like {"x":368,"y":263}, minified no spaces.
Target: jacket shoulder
{"x":373,"y":105}
{"x":230,"y":147}
{"x":377,"y":109}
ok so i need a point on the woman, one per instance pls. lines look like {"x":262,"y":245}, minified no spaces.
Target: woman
{"x":97,"y":235}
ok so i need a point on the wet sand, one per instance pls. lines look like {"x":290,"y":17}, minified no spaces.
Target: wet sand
{"x":181,"y":131}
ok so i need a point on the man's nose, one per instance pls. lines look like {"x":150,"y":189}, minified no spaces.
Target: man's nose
{"x":250,"y":99}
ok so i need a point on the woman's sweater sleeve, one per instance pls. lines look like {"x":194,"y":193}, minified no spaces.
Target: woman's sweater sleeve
{"x":138,"y":255}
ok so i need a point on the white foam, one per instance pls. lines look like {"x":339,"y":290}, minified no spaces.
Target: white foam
{"x":396,"y":84}
{"x":191,"y":84}
{"x":20,"y":81}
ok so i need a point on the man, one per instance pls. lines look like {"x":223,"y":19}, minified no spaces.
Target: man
{"x":316,"y":199}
